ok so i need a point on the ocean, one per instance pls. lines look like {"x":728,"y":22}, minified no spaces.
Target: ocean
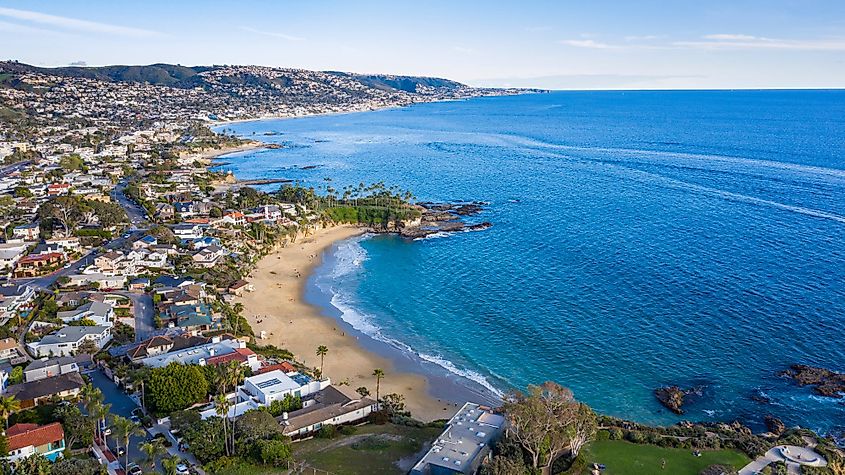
{"x":639,"y":239}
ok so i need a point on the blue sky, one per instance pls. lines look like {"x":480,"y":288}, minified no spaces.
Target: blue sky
{"x":553,"y":44}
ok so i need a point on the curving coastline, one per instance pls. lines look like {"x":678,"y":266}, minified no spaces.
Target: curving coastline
{"x":278,"y":307}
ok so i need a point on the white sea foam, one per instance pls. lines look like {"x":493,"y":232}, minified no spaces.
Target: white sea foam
{"x":437,"y":235}
{"x":349,"y":257}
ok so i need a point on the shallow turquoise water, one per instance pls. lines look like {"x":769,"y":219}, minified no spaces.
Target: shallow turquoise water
{"x":639,"y":239}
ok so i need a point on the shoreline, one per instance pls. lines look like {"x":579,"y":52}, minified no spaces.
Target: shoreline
{"x":279,"y":302}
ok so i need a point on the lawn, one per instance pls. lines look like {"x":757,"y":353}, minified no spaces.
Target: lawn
{"x":625,"y":458}
{"x":373,"y":449}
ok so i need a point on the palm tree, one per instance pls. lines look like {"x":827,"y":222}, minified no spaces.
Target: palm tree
{"x":322,"y":351}
{"x":221,"y":407}
{"x":169,"y":464}
{"x":234,"y":372}
{"x":152,"y":450}
{"x":8,"y":406}
{"x":98,"y":411}
{"x":124,"y":429}
{"x":378,"y":373}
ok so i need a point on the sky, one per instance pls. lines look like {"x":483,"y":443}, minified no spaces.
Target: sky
{"x":565,"y":44}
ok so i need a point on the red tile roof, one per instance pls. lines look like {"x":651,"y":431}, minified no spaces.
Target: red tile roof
{"x":240,"y":355}
{"x":25,"y":435}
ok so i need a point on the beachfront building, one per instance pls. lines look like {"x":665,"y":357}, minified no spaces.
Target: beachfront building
{"x":275,"y":385}
{"x":15,"y":300}
{"x":32,"y":439}
{"x":47,"y":368}
{"x":199,"y":354}
{"x":464,"y":444}
{"x":330,"y":406}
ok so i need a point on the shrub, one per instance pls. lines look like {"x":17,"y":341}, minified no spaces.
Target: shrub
{"x":327,"y":432}
{"x":615,"y":434}
{"x":347,"y":430}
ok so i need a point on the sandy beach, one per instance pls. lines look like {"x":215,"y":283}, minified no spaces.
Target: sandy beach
{"x":289,"y":322}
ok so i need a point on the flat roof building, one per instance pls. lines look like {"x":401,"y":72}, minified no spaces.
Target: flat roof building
{"x":464,"y":444}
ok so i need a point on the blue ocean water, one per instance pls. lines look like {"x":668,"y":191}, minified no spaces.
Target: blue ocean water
{"x":640,"y":239}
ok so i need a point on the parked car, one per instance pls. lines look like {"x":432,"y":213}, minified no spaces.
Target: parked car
{"x":134,"y":469}
{"x":182,"y":469}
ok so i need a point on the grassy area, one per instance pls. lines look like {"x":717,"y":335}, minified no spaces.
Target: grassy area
{"x":242,"y":467}
{"x":625,"y":458}
{"x":372,"y":450}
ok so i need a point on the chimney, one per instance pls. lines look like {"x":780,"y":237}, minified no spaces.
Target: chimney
{"x":211,"y":351}
{"x":285,"y":416}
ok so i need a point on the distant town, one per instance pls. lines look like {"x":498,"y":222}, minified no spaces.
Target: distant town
{"x":124,"y":347}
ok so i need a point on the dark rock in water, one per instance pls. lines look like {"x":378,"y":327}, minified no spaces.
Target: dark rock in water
{"x":468,"y":209}
{"x":309,"y":167}
{"x":824,"y":381}
{"x":774,"y":425}
{"x":479,"y":226}
{"x":672,"y":397}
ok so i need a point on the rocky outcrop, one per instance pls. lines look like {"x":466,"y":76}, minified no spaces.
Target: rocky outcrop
{"x":824,"y":381}
{"x":774,"y":425}
{"x":442,"y":218}
{"x":672,"y":397}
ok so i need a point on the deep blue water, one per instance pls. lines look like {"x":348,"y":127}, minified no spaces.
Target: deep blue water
{"x":640,"y":239}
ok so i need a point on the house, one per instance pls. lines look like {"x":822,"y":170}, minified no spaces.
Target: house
{"x":330,"y":406}
{"x":27,"y":232}
{"x":66,"y":244}
{"x":186,"y":231}
{"x":31,"y":394}
{"x":102,"y":281}
{"x":244,"y":356}
{"x":100,"y":313}
{"x":159,"y":345}
{"x":164,"y":211}
{"x":9,"y":349}
{"x":34,"y":265}
{"x":235,"y":218}
{"x":464,"y":444}
{"x":203,"y":242}
{"x":15,"y":300}
{"x":110,"y":263}
{"x":190,"y":317}
{"x":140,"y":284}
{"x":198,"y":355}
{"x":26,"y":439}
{"x":71,"y":299}
{"x":58,"y":189}
{"x":208,"y":257}
{"x":145,"y":242}
{"x":240,"y":286}
{"x":270,"y":212}
{"x":10,"y":254}
{"x":67,"y":340}
{"x":272,"y":386}
{"x":184,"y":208}
{"x":47,"y":368}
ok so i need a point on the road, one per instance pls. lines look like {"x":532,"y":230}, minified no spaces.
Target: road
{"x":9,"y":169}
{"x":144,"y":313}
{"x":121,"y":405}
{"x":136,"y":213}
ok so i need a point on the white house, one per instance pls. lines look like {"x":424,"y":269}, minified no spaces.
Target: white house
{"x":100,"y":313}
{"x":275,"y":385}
{"x":66,"y":340}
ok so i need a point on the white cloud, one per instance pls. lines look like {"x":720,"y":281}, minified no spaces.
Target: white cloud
{"x":464,"y":50}
{"x":16,"y":28}
{"x":737,"y":41}
{"x":587,"y":44}
{"x":274,"y":34}
{"x":74,"y":24}
{"x":643,"y":38}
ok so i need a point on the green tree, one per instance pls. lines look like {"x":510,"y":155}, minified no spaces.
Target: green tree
{"x":8,"y":405}
{"x":379,"y":374}
{"x":174,"y":387}
{"x":33,"y":465}
{"x":124,"y":429}
{"x":206,"y":440}
{"x":273,"y":452}
{"x":78,"y":466}
{"x":221,"y":408}
{"x":257,"y":425}
{"x":79,"y":429}
{"x":322,"y":351}
{"x":16,"y":377}
{"x":152,"y":450}
{"x":170,"y":463}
